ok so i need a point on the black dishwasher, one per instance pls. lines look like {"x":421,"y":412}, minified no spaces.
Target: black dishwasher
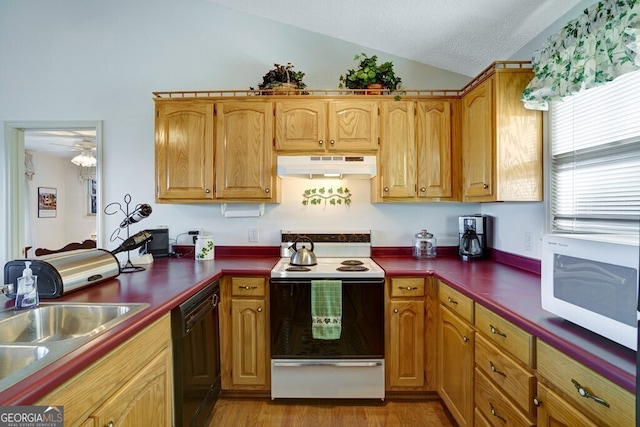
{"x":196,"y":357}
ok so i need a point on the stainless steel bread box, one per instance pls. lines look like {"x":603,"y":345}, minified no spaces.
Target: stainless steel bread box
{"x":65,"y":272}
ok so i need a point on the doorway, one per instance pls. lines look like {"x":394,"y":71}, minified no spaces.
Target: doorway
{"x":17,"y":191}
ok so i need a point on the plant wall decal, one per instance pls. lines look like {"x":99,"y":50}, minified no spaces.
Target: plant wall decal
{"x":315,"y":196}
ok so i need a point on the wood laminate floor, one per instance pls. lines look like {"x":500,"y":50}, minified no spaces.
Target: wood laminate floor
{"x":245,"y":412}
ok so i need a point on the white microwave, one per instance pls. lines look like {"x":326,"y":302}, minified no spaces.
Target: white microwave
{"x":592,"y":281}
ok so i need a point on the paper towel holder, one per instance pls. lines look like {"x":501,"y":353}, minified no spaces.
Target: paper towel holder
{"x":241,"y":210}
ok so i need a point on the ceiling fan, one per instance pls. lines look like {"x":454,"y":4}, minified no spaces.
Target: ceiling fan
{"x":86,"y":157}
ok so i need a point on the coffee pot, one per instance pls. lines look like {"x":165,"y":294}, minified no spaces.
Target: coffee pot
{"x":472,"y":244}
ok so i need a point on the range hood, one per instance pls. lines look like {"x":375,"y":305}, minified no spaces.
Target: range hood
{"x":363,"y":167}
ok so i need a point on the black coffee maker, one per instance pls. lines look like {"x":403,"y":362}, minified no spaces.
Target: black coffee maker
{"x":472,"y":237}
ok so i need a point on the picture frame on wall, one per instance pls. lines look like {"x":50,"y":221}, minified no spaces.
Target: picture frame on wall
{"x":92,"y":207}
{"x":47,"y":202}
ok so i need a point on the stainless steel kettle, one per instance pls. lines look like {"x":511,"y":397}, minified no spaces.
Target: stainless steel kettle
{"x":303,"y":257}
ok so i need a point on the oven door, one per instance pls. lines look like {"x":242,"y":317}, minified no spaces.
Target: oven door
{"x":362,"y":330}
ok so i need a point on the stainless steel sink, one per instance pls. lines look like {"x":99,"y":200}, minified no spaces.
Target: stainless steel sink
{"x":33,"y":338}
{"x":57,"y":322}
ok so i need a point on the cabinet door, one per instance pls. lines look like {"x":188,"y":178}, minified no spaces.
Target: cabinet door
{"x":301,"y":126}
{"x":184,"y":150}
{"x":406,"y":343}
{"x":398,"y":149}
{"x":554,"y":411}
{"x":146,"y":399}
{"x":455,"y":366}
{"x":353,"y":126}
{"x":434,"y":140}
{"x":244,"y":161}
{"x":478,"y":141}
{"x":249,"y":332}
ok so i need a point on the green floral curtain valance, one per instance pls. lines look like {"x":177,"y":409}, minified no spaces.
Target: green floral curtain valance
{"x":589,"y":51}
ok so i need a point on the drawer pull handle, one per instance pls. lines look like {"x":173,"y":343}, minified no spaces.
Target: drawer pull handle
{"x":584,"y":393}
{"x":497,"y":331}
{"x":495,"y":370}
{"x":407,"y":288}
{"x":495,"y":413}
{"x":452,"y":301}
{"x":247,"y":288}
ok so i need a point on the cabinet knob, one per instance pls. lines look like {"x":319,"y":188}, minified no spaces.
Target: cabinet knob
{"x":110,"y":424}
{"x":321,"y":142}
{"x":207,"y":191}
{"x":386,"y":189}
{"x":537,"y":402}
{"x":259,"y":309}
{"x":485,"y":186}
{"x":395,"y":310}
{"x":465,"y":338}
{"x":266,"y":190}
{"x":423,"y":189}
{"x":332,"y":142}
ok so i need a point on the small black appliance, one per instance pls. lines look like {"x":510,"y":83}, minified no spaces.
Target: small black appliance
{"x":472,"y":232}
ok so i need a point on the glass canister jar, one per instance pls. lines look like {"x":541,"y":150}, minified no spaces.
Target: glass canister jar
{"x":424,"y":245}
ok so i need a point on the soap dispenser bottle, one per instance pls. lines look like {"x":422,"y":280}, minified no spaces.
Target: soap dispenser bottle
{"x":27,"y":292}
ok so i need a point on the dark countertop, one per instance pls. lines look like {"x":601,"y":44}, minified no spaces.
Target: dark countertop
{"x":510,"y":292}
{"x":515,"y":295}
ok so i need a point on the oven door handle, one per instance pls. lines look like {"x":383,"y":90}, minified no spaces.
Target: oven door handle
{"x":328,"y":363}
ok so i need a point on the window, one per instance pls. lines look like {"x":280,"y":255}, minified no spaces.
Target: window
{"x":595,"y":159}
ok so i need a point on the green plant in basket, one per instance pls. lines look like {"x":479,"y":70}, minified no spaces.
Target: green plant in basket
{"x":282,"y":78}
{"x":370,"y":72}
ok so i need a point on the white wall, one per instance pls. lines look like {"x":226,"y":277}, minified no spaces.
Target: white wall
{"x":80,"y":60}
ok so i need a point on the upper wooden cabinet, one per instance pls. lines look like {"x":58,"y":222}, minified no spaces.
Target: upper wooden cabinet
{"x":417,"y":151}
{"x":318,"y":126}
{"x":501,"y":140}
{"x":184,"y":150}
{"x":214,"y":151}
{"x":245,"y":167}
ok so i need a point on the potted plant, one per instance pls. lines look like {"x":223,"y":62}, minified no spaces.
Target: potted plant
{"x":282,"y":79}
{"x":370,"y":73}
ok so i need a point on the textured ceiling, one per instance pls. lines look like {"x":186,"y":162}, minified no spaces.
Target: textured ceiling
{"x":463,"y":36}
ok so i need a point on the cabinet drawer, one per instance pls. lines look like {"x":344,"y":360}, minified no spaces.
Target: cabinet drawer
{"x":495,"y":406}
{"x":516,"y":381}
{"x":505,"y":335}
{"x":456,"y":302}
{"x":566,"y":375}
{"x":407,"y":287}
{"x":248,"y":286}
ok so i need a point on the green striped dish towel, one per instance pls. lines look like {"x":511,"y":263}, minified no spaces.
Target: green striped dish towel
{"x":326,"y":309}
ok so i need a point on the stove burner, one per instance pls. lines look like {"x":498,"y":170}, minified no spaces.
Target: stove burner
{"x":297,"y":269}
{"x":352,"y":262}
{"x":353,"y":268}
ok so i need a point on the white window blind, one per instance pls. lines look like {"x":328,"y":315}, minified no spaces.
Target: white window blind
{"x":595,"y":159}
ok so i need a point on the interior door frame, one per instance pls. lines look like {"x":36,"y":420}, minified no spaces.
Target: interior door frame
{"x":14,"y":178}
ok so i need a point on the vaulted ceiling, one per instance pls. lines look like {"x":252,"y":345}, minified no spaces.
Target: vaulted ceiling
{"x":463,"y":36}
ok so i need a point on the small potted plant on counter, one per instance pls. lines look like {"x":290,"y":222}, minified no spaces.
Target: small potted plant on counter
{"x":370,"y":75}
{"x":281,"y":80}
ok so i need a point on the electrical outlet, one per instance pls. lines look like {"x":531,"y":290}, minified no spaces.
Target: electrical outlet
{"x":254,"y":235}
{"x":528,"y":241}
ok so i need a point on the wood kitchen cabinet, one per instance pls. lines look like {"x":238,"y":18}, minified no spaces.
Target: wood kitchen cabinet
{"x":417,"y":148}
{"x":320,"y":126}
{"x":131,"y":385}
{"x":184,"y":150}
{"x":456,"y":336}
{"x":570,"y":394}
{"x":245,"y":165}
{"x":244,"y":330}
{"x":501,"y":140}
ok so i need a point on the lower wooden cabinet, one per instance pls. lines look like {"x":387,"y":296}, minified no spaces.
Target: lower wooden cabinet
{"x":554,"y":411}
{"x":131,"y":385}
{"x":244,"y":329}
{"x":455,"y":365}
